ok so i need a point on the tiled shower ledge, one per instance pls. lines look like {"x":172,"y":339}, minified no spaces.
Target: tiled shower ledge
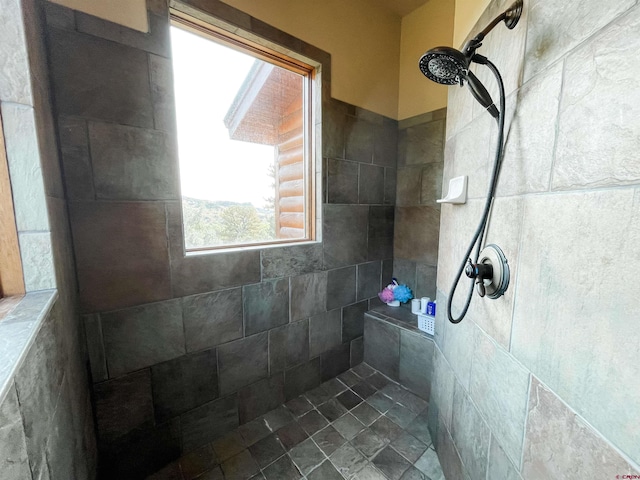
{"x":398,"y":316}
{"x":358,"y":426}
{"x":18,"y":330}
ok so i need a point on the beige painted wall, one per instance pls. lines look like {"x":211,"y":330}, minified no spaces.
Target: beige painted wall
{"x":131,"y":13}
{"x":467,"y":14}
{"x":374,"y":53}
{"x":364,"y":42}
{"x":429,"y":26}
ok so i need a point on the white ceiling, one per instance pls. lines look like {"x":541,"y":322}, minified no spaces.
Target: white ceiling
{"x":399,"y":7}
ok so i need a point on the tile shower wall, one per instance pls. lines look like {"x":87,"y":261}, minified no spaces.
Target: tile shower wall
{"x":542,"y":383}
{"x":46,"y":422}
{"x":419,"y":184}
{"x":184,"y":349}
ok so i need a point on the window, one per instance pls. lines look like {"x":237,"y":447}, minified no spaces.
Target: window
{"x":244,"y":117}
{"x":11,"y":280}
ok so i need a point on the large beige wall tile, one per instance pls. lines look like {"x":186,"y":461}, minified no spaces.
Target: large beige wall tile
{"x":598,"y":122}
{"x":458,"y":223}
{"x":14,"y":62}
{"x":559,"y":444}
{"x":442,"y":385}
{"x":577,"y":297}
{"x":495,"y":316}
{"x":24,"y":167}
{"x":459,"y":347}
{"x":500,"y":467}
{"x":499,"y":386}
{"x":531,"y":135}
{"x":470,"y":433}
{"x":557,"y":26}
{"x":472,"y":156}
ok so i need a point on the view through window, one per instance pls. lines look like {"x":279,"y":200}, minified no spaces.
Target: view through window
{"x":242,"y":143}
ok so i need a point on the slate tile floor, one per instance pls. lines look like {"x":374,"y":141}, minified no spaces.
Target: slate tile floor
{"x":358,"y":426}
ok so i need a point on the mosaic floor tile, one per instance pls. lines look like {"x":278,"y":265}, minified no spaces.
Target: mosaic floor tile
{"x":299,"y":406}
{"x":401,"y":415}
{"x":326,"y":471}
{"x":409,"y":446}
{"x":329,"y":433}
{"x":429,"y":464}
{"x":365,"y":413}
{"x":348,"y":460}
{"x":240,"y":467}
{"x":291,"y":435}
{"x":266,"y":450}
{"x":368,"y":443}
{"x":349,"y":378}
{"x":348,"y":426}
{"x":229,"y":445}
{"x":391,"y":463}
{"x":385,"y":428}
{"x":312,"y":422}
{"x":349,"y":399}
{"x":278,"y":418}
{"x":334,"y":387}
{"x":329,"y":439}
{"x":282,"y":469}
{"x":307,"y":456}
{"x":380,"y":402}
{"x":363,"y":370}
{"x":332,"y":410}
{"x":378,"y":381}
{"x":414,"y":403}
{"x":253,"y":431}
{"x":197,"y":462}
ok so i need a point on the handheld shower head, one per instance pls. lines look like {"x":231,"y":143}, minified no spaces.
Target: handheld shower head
{"x":448,"y":66}
{"x":444,"y":65}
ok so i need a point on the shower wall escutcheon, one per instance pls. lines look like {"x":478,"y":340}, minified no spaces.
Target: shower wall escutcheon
{"x":489,"y":269}
{"x":491,"y":272}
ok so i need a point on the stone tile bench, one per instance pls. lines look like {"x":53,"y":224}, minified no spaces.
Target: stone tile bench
{"x":395,"y":346}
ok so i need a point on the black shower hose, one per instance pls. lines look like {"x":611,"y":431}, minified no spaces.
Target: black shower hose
{"x":478,"y":236}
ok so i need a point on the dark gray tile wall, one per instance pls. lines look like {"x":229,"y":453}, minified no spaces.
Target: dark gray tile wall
{"x":46,"y":421}
{"x":399,"y":350}
{"x":203,"y":343}
{"x":417,"y":216}
{"x":523,"y":388}
{"x":184,"y":383}
{"x":15,"y":461}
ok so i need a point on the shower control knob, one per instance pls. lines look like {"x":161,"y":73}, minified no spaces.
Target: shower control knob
{"x":478,"y":270}
{"x":480,"y":288}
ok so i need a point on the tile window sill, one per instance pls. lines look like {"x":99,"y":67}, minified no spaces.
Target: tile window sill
{"x":7,"y":304}
{"x":18,"y":329}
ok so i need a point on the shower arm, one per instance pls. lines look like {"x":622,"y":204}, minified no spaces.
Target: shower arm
{"x":510,"y":17}
{"x":476,"y":42}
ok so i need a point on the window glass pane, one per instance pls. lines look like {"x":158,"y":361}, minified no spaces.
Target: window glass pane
{"x":241,"y":145}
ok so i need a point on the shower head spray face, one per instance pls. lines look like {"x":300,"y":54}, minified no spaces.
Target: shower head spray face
{"x":448,"y":66}
{"x":444,"y":65}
